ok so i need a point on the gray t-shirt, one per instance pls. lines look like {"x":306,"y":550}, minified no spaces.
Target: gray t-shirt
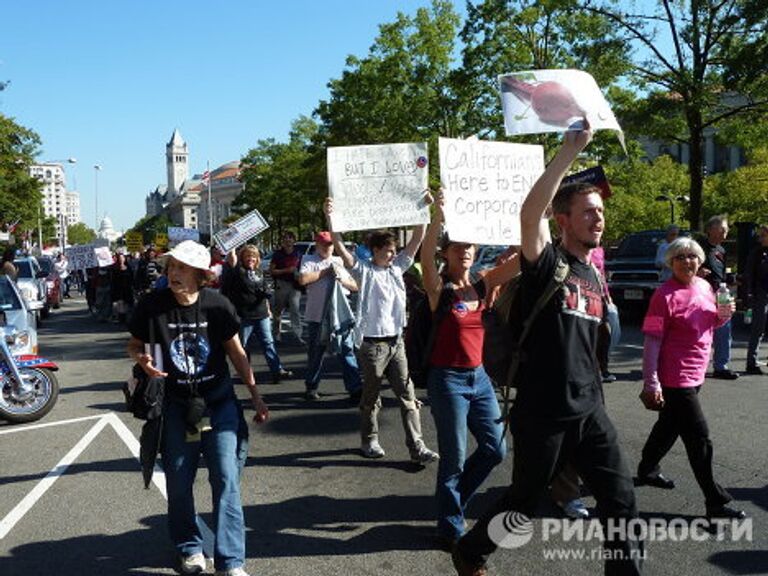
{"x":317,"y":292}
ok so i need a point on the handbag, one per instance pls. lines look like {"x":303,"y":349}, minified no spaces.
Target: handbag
{"x":144,"y":394}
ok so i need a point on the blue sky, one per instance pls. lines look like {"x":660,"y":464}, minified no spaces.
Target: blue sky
{"x":107,"y":81}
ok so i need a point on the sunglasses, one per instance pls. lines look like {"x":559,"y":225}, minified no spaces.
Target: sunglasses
{"x":685,"y":257}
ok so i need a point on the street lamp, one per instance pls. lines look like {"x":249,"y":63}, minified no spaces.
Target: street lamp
{"x":671,"y":200}
{"x":96,"y":168}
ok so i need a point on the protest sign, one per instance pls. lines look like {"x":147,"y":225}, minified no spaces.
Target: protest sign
{"x":595,"y":176}
{"x":103,"y":256}
{"x":177,"y":234}
{"x":378,"y":186}
{"x":240,"y":231}
{"x":484,"y":184}
{"x":539,"y":101}
{"x":134,"y":241}
{"x":81,"y":257}
{"x":161,"y":240}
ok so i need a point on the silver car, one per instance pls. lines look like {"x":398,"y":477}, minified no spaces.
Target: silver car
{"x":30,"y":279}
{"x":21,"y":322}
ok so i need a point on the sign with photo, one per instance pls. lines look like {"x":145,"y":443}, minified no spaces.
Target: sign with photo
{"x":540,"y":101}
{"x":378,"y":186}
{"x":240,"y":231}
{"x":484,"y":184}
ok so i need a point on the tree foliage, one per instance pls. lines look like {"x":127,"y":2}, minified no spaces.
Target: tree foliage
{"x":20,"y":193}
{"x":80,"y":233}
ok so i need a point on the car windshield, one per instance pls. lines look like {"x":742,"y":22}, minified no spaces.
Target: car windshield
{"x":8,"y":298}
{"x":25,"y":268}
{"x":636,"y":245}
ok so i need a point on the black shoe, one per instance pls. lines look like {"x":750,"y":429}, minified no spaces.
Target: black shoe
{"x":464,"y":568}
{"x":608,"y":377}
{"x":657,"y":481}
{"x":446,"y":543}
{"x":726,"y":512}
{"x":312,"y":395}
{"x":281,"y":375}
{"x":755,"y":370}
{"x":725,"y":374}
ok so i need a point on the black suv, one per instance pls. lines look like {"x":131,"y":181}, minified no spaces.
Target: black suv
{"x":631,"y":268}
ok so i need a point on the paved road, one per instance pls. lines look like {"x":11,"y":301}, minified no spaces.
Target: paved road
{"x":312,"y":505}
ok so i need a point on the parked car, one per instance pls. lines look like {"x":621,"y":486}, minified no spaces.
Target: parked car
{"x":21,"y":321}
{"x":31,"y":283}
{"x":631,"y":271}
{"x":52,"y":282}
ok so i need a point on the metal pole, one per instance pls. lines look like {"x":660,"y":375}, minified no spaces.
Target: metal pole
{"x":96,"y":169}
{"x":672,"y":210}
{"x":210,"y":212}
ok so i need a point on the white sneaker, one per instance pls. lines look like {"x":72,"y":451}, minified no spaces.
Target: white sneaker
{"x":372,"y":449}
{"x":232,"y":572}
{"x":575,"y":509}
{"x":424,"y":456}
{"x":193,"y":564}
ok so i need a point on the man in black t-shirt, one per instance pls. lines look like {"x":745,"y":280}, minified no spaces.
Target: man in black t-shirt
{"x":713,"y":270}
{"x":558,"y":415}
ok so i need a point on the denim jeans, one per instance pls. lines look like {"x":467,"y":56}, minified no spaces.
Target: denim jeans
{"x":225,"y":452}
{"x":462,"y":400}
{"x":721,"y":344}
{"x":757,"y":329}
{"x":316,"y":352}
{"x":262,"y":330}
{"x":286,"y":296}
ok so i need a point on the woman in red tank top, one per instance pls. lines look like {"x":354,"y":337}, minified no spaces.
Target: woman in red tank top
{"x":461,"y":395}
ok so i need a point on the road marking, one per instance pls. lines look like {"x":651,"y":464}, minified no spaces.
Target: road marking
{"x":41,"y":488}
{"x":48,"y":424}
{"x":123,"y":432}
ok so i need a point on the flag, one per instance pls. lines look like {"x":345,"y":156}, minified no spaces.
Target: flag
{"x":206,"y":176}
{"x":11,"y":227}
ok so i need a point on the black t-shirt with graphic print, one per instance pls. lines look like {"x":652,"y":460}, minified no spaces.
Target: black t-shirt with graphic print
{"x":559,"y":378}
{"x":192,"y":337}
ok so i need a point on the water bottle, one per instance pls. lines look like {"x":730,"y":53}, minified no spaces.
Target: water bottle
{"x":748,"y":316}
{"x":723,"y":295}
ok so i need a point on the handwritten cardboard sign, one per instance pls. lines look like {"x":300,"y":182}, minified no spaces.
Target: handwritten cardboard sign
{"x":81,"y":256}
{"x":378,"y":186}
{"x":484,"y":184}
{"x":240,"y":231}
{"x":539,"y":101}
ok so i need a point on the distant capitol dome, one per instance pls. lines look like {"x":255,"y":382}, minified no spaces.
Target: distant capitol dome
{"x":107,"y":230}
{"x":106,"y":224}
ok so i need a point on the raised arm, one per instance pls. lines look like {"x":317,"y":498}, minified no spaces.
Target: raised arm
{"x":534,"y":228}
{"x":338,"y":242}
{"x":502,"y":273}
{"x":418,"y":232}
{"x":433,"y":284}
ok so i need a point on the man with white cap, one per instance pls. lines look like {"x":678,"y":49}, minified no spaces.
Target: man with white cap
{"x":195,"y":330}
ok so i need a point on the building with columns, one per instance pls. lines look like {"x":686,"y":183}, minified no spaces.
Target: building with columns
{"x":58,"y":202}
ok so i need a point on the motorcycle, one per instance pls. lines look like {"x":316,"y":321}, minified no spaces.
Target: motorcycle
{"x":28,"y":386}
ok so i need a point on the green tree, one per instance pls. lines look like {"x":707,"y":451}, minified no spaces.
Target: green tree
{"x":149,"y":226}
{"x":20,"y":193}
{"x":702,"y":66}
{"x":741,"y":193}
{"x":79,"y":233}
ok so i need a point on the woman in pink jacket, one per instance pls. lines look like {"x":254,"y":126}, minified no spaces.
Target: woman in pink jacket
{"x":678,"y":331}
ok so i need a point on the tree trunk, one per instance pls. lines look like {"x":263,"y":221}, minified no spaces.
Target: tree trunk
{"x":695,"y":168}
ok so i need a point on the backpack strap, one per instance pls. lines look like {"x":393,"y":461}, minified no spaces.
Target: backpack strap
{"x":555,"y":283}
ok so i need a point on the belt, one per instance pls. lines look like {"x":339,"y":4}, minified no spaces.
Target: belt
{"x":380,"y":339}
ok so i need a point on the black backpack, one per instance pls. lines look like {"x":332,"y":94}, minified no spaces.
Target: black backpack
{"x":421,"y":332}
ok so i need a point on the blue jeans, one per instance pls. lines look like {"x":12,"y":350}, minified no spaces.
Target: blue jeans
{"x":461,"y":400}
{"x":316,"y":352}
{"x":225,"y":452}
{"x":262,"y":329}
{"x":721,"y":343}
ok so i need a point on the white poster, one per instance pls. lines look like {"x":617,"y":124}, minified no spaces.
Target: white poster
{"x":539,"y":101}
{"x":240,"y":231}
{"x":81,"y":257}
{"x":103,"y":256}
{"x":378,"y":186}
{"x":177,"y":234}
{"x":484,"y":184}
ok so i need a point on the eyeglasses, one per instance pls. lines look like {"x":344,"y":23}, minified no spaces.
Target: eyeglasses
{"x":685,"y":257}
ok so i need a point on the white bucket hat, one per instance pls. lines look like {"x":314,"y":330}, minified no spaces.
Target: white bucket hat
{"x":190,"y":253}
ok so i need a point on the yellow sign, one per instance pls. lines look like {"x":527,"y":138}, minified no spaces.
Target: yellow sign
{"x":161,"y":240}
{"x":134,"y":241}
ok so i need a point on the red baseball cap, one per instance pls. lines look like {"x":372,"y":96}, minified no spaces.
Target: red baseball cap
{"x":323,"y":237}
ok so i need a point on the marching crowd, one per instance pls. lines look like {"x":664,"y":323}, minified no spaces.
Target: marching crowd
{"x":191,"y":310}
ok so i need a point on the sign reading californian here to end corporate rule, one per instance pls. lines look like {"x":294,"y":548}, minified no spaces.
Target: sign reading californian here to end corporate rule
{"x":378,"y":186}
{"x":484,"y":184}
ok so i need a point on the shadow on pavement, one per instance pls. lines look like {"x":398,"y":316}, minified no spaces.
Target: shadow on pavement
{"x":740,"y":561}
